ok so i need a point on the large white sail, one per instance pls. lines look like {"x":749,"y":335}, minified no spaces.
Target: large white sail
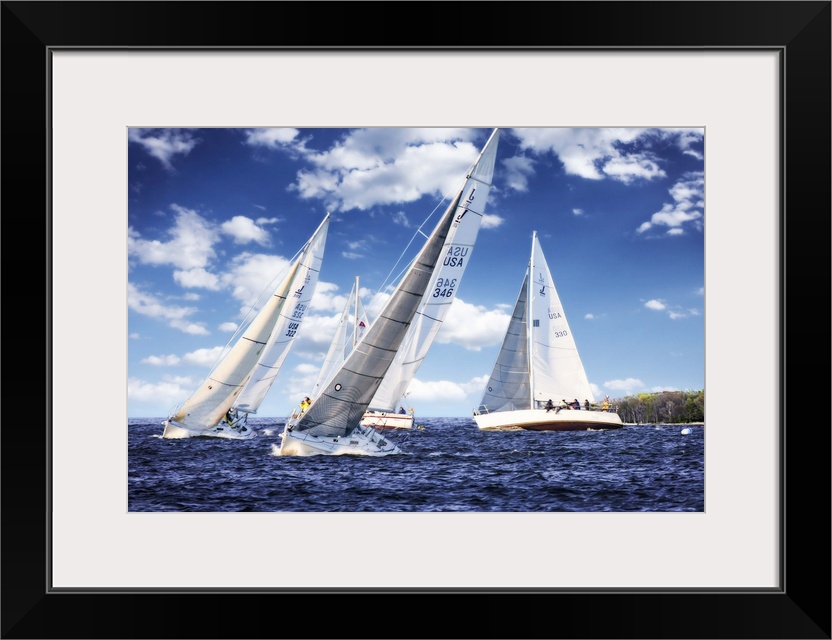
{"x":338,"y":410}
{"x":207,"y":406}
{"x":538,"y":359}
{"x":288,"y":324}
{"x":557,"y":370}
{"x":468,"y":208}
{"x":508,"y":387}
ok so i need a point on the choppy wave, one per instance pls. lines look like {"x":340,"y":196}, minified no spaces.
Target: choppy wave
{"x":450,"y":466}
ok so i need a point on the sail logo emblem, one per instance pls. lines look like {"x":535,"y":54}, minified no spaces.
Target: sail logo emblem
{"x":542,"y":282}
{"x":467,"y":204}
{"x":299,"y":291}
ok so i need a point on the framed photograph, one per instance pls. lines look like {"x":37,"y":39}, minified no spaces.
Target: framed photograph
{"x":78,"y":76}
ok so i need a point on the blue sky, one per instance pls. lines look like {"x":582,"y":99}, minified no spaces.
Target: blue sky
{"x":216,"y":213}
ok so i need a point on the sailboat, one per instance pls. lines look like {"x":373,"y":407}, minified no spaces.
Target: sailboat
{"x":445,"y":282}
{"x":351,"y":327}
{"x":352,"y":324}
{"x":240,"y":380}
{"x":331,"y":425}
{"x":400,"y":419}
{"x":538,"y":370}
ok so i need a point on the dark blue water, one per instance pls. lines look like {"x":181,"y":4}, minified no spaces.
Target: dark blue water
{"x":450,"y":466}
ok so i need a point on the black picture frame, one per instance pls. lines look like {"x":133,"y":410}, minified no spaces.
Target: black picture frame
{"x":800,"y":608}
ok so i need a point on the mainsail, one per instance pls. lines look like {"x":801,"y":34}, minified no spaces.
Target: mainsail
{"x":246,"y":372}
{"x":338,"y":409}
{"x":290,"y":317}
{"x":538,"y":360}
{"x":468,"y":207}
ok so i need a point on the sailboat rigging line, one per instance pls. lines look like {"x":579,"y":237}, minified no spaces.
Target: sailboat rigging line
{"x":384,"y":285}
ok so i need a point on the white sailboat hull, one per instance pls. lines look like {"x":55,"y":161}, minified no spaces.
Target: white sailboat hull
{"x":359,"y":443}
{"x":385,"y":420}
{"x":174,"y":431}
{"x":542,"y":420}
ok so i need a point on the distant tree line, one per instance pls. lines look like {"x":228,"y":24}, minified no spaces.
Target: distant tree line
{"x":670,"y":407}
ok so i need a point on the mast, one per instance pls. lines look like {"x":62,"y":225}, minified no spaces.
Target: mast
{"x":355,"y":324}
{"x":530,"y":321}
{"x":482,"y":153}
{"x":468,"y":206}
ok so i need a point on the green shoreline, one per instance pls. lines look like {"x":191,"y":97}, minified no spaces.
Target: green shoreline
{"x":664,"y":424}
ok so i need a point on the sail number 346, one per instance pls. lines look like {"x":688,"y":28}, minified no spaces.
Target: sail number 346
{"x":444,"y":288}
